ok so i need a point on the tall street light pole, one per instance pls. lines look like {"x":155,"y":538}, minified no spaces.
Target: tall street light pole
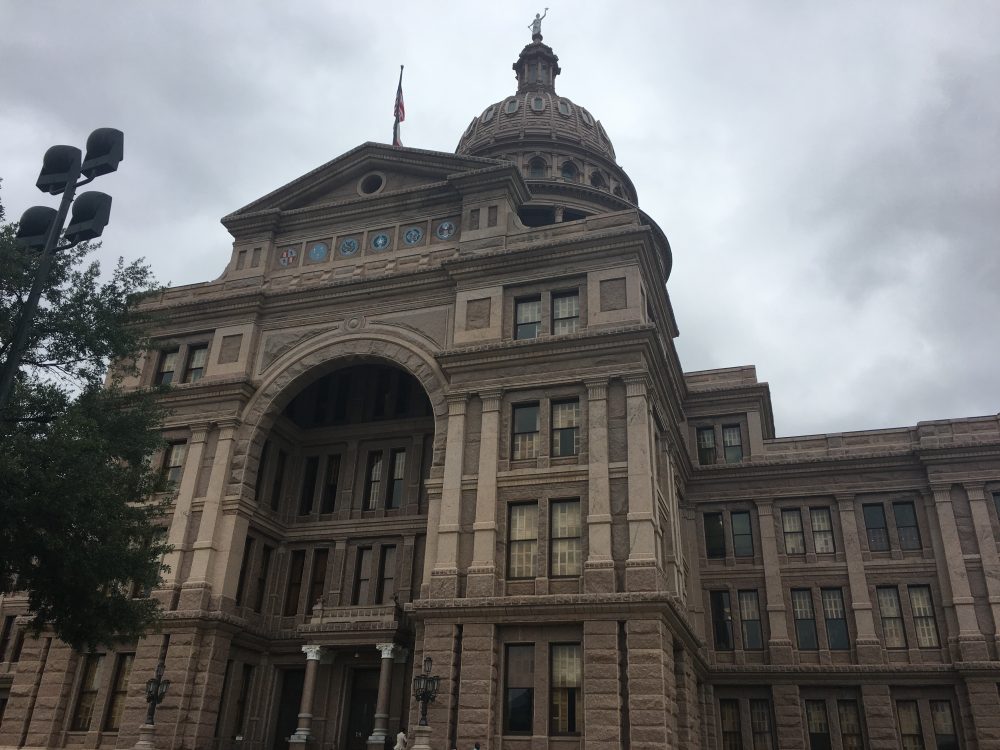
{"x":41,"y":226}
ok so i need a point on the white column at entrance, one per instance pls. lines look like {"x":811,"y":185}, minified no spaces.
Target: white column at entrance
{"x":313,"y":654}
{"x":380,"y":729}
{"x":482,"y":571}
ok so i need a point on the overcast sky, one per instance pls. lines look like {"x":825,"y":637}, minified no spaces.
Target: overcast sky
{"x":828,"y":173}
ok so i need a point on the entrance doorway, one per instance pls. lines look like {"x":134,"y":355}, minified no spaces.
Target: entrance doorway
{"x":360,"y":708}
{"x":289,"y":700}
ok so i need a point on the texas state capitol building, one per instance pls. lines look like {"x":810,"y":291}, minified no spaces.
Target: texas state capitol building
{"x":433,"y":408}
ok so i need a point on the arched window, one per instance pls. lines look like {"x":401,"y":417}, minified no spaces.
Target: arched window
{"x":569,"y":171}
{"x":511,"y":106}
{"x":598,"y":181}
{"x":618,"y":191}
{"x":537,"y":168}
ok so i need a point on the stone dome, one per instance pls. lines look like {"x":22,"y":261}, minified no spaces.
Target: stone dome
{"x":561,"y":148}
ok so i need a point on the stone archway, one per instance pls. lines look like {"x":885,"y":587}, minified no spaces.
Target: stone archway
{"x":313,"y":359}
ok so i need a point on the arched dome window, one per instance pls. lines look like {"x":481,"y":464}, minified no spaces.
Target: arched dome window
{"x":569,"y":171}
{"x":537,"y":103}
{"x":537,"y":168}
{"x":564,"y":107}
{"x":511,"y":106}
{"x":598,"y":181}
{"x":618,"y":191}
{"x":488,"y":114}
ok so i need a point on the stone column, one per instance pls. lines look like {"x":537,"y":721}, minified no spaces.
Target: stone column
{"x":971,"y":644}
{"x":779,"y":645}
{"x":182,"y":504}
{"x":204,"y":548}
{"x":380,"y":729}
{"x":482,"y":572}
{"x":640,"y":568}
{"x":987,"y":544}
{"x":302,"y":734}
{"x":869,"y":648}
{"x":599,"y":569}
{"x":444,"y":576}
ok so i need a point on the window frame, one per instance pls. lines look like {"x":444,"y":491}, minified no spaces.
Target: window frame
{"x":529,"y":690}
{"x":898,"y":617}
{"x":575,"y":698}
{"x":557,"y":433}
{"x":840,"y":624}
{"x":801,"y":626}
{"x":161,"y":362}
{"x":720,"y":605}
{"x":707,"y":454}
{"x":558,"y":320}
{"x":910,"y":532}
{"x":87,"y":690}
{"x":750,"y":638}
{"x":194,"y":372}
{"x":174,"y":472}
{"x":923,"y":619}
{"x":748,"y":534}
{"x":515,"y":454}
{"x":817,"y":740}
{"x":870,"y":530}
{"x":577,"y":569}
{"x":118,"y":692}
{"x":530,"y":543}
{"x":537,"y":323}
{"x":786,"y":533}
{"x":727,"y":431}
{"x":713,"y":550}
{"x":823,"y":511}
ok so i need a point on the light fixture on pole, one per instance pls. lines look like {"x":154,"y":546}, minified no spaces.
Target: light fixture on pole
{"x":425,"y":689}
{"x":40,"y":226}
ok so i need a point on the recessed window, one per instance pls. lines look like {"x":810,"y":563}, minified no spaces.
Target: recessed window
{"x":522,"y":545}
{"x":278,"y":483}
{"x":836,"y":619}
{"x":818,"y":725}
{"x":742,"y":534}
{"x":519,"y":689}
{"x":569,"y":171}
{"x":362,"y":577}
{"x":524,"y":443}
{"x":924,"y":622}
{"x":706,"y":446}
{"x":195,"y":368}
{"x":598,"y":181}
{"x":791,"y":525}
{"x":488,"y":114}
{"x":371,"y":183}
{"x":564,"y":108}
{"x":715,"y":537}
{"x":537,"y":103}
{"x":753,"y":636}
{"x":760,"y":723}
{"x":308,"y":485}
{"x":910,"y":732}
{"x":732,"y":443}
{"x":397,"y":462}
{"x":945,"y":736}
{"x":805,"y":619}
{"x":722,"y":620}
{"x":878,"y":534}
{"x":329,"y":502}
{"x":528,"y":318}
{"x":729,"y":720}
{"x":565,"y":312}
{"x":87,"y":697}
{"x":893,"y":632}
{"x":119,"y":688}
{"x":567,"y":679}
{"x":262,"y":574}
{"x":317,"y":582}
{"x":585,"y":116}
{"x":850,"y":724}
{"x":906,"y":525}
{"x":510,"y":106}
{"x":168,"y":366}
{"x":536,"y":168}
{"x":173,"y":461}
{"x":294,"y":588}
{"x":565,"y":428}
{"x":386,"y":575}
{"x":373,"y":480}
{"x":822,"y":530}
{"x":566,"y":547}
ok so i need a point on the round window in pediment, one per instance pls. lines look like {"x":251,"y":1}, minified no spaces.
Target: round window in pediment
{"x":371,"y":183}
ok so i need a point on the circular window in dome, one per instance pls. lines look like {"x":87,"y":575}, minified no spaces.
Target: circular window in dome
{"x":564,"y":107}
{"x":511,"y":106}
{"x":488,"y":114}
{"x":587,"y":119}
{"x":537,"y":104}
{"x":371,"y":183}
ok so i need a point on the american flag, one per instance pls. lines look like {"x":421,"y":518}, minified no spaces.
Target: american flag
{"x":398,"y":111}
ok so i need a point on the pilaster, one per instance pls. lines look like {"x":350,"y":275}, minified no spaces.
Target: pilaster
{"x":987,"y":545}
{"x":869,"y":649}
{"x":598,"y":570}
{"x":482,"y":574}
{"x":640,"y":568}
{"x":442,"y":537}
{"x":182,"y":505}
{"x":779,"y":645}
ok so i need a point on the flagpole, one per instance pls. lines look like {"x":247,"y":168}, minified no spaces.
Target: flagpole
{"x":398,"y":111}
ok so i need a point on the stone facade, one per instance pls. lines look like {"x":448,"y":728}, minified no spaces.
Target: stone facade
{"x":433,"y":408}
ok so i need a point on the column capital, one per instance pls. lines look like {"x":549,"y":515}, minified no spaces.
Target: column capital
{"x":975,"y":490}
{"x":597,"y":390}
{"x":386,"y":649}
{"x":199,"y":431}
{"x":844,"y":500}
{"x":457,"y":403}
{"x":941,"y":492}
{"x":312,"y":652}
{"x":491,"y":399}
{"x":636,"y":385}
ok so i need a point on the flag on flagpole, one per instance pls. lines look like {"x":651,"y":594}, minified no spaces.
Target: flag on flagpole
{"x":398,"y":111}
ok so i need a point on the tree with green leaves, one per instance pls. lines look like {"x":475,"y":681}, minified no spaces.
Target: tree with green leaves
{"x":78,"y":528}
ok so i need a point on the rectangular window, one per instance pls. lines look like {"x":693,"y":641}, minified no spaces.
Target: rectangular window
{"x":329,"y":502}
{"x":195,"y":368}
{"x":397,"y":459}
{"x":566,"y":716}
{"x":945,"y":736}
{"x":909,"y":725}
{"x":87,"y":696}
{"x":566,"y":547}
{"x":173,"y":462}
{"x":878,"y":534}
{"x":239,"y":728}
{"x":722,"y":620}
{"x":715,"y":537}
{"x":805,"y":619}
{"x":295,"y":569}
{"x":893,"y":632}
{"x":850,"y":725}
{"x":818,"y":725}
{"x":732,"y":443}
{"x":373,"y":480}
{"x":519,"y":691}
{"x":241,"y":582}
{"x":565,"y":312}
{"x":791,"y":525}
{"x":386,"y":575}
{"x":525,"y":432}
{"x":523,"y":543}
{"x":753,"y":636}
{"x":258,"y":483}
{"x":760,"y":724}
{"x":317,"y":581}
{"x":924,"y":622}
{"x":277,"y":486}
{"x":8,"y":628}
{"x":362,"y":577}
{"x":729,"y":719}
{"x":822,"y":529}
{"x":742,"y":534}
{"x":262,"y":574}
{"x":308,"y":485}
{"x":528,"y":318}
{"x":706,"y":446}
{"x":119,"y":689}
{"x":837,"y":636}
{"x":168,"y":366}
{"x":565,"y":428}
{"x":906,"y":525}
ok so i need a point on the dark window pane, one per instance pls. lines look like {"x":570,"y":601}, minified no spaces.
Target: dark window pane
{"x":722,"y":620}
{"x":906,"y":525}
{"x":715,"y":537}
{"x":706,"y":445}
{"x":878,"y":536}
{"x":308,"y":485}
{"x":742,"y":534}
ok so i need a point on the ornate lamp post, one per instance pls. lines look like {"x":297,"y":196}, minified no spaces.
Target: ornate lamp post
{"x":425,"y":690}
{"x":156,"y":690}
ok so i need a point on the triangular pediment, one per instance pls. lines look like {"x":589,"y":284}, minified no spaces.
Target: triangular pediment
{"x":368,"y":171}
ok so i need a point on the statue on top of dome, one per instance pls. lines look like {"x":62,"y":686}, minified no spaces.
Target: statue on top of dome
{"x":536,"y":26}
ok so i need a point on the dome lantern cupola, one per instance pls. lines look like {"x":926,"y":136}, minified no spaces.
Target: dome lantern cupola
{"x":537,"y":68}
